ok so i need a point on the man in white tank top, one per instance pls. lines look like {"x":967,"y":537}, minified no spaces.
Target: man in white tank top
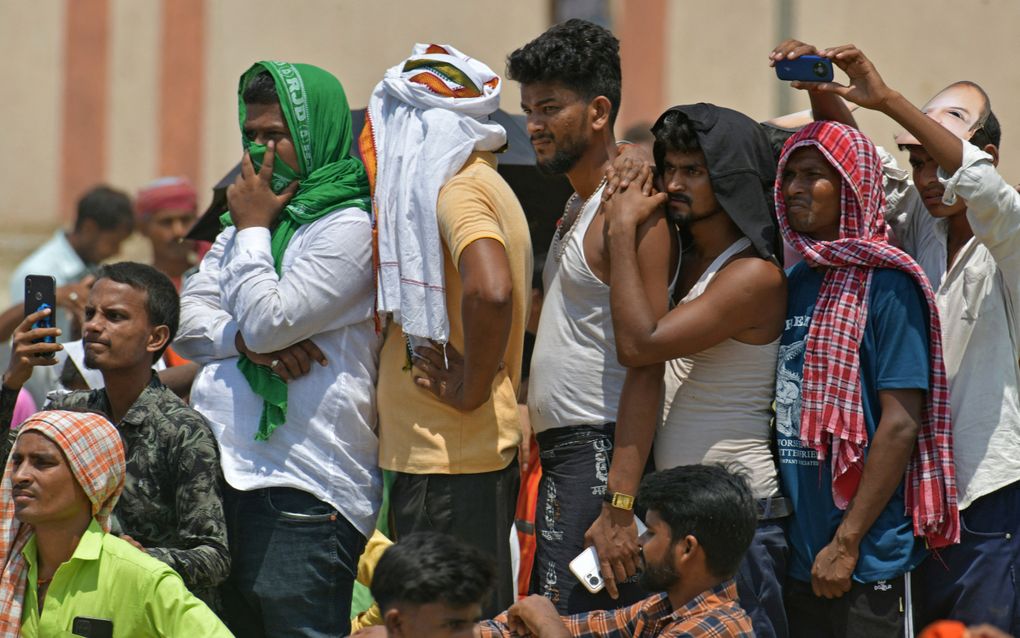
{"x":722,"y":337}
{"x":594,"y":418}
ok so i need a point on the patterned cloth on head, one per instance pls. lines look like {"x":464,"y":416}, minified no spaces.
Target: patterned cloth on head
{"x":832,"y":416}
{"x":95,"y":454}
{"x":424,"y":120}
{"x":165,"y":193}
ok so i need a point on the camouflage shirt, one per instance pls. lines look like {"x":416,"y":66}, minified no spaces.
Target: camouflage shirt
{"x":172,"y":502}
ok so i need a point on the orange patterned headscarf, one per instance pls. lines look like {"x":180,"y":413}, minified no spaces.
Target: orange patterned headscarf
{"x":95,"y":454}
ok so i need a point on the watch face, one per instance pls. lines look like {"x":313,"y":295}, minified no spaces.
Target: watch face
{"x":623,"y":501}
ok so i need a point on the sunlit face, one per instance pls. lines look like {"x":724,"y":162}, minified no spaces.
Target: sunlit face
{"x":558,"y":125}
{"x":811,"y":190}
{"x":98,"y":244}
{"x":959,"y":108}
{"x":44,"y":490}
{"x":264,"y":123}
{"x":691,"y":197}
{"x":117,"y":334}
{"x":166,"y":230}
{"x":659,"y":571}
{"x":433,"y":620}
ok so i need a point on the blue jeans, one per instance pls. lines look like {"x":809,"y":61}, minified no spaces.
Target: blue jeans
{"x":294,"y":561}
{"x":760,"y":579}
{"x":975,"y":581}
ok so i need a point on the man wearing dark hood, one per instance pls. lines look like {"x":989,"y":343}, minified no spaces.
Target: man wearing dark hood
{"x":721,"y":338}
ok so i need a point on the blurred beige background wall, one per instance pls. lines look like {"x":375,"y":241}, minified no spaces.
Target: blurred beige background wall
{"x":123,"y":91}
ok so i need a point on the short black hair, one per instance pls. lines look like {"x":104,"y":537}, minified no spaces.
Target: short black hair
{"x":708,"y":502}
{"x":108,"y":208}
{"x":988,"y":133}
{"x":261,"y":89}
{"x":162,"y":303}
{"x":579,"y":54}
{"x":428,"y":567}
{"x":674,"y":133}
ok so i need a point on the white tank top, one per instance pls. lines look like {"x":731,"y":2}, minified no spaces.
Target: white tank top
{"x":576,"y":378}
{"x":717,"y":407}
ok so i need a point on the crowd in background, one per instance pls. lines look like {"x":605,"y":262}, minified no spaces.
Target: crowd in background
{"x":769,"y":376}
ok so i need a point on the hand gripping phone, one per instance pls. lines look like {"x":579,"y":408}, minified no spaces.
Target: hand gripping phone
{"x":806,"y":68}
{"x":585,"y":567}
{"x":41,"y":293}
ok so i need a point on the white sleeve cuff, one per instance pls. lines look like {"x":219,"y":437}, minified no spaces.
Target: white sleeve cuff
{"x":255,"y":239}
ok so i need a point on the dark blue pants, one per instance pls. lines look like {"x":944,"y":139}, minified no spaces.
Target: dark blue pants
{"x":975,"y":581}
{"x":293,"y":564}
{"x":760,"y":579}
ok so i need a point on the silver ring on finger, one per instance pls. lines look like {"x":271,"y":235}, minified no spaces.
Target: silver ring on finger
{"x":73,"y":296}
{"x":274,"y":363}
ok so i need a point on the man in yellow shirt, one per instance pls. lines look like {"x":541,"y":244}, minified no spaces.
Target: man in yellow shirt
{"x":63,"y":573}
{"x":454,"y":273}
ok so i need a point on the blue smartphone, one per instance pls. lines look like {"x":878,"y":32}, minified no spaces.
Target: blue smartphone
{"x":806,"y":68}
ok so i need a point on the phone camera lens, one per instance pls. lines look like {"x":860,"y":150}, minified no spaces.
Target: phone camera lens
{"x":820,"y":69}
{"x":593,"y":581}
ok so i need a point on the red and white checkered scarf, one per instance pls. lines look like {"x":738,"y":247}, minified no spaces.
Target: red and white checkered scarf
{"x":832,"y":414}
{"x":95,"y":453}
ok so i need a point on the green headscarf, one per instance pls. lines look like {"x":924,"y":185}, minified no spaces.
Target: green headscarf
{"x":315,"y":108}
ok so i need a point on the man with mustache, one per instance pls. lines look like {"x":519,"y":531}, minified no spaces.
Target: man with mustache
{"x":721,"y":339}
{"x":968,"y":243}
{"x":700,"y":522}
{"x":594,"y":417}
{"x":172,"y":507}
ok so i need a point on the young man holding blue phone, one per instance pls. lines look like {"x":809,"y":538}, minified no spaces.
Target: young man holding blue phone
{"x":961,"y":220}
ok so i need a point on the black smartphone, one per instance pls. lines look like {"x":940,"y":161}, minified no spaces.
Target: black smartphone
{"x":806,"y":68}
{"x":40,"y":293}
{"x":92,"y":627}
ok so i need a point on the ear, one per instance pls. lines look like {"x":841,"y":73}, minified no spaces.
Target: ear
{"x":158,"y":338}
{"x":599,"y":112}
{"x":393,"y":622}
{"x":686,"y":550}
{"x":992,"y":150}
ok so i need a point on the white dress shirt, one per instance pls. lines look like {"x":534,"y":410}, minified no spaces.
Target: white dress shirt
{"x":977,"y":299}
{"x":328,"y":445}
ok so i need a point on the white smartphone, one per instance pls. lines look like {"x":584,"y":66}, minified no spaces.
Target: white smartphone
{"x":585,"y":567}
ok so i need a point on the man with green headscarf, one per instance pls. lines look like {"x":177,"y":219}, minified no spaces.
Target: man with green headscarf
{"x":281,"y":318}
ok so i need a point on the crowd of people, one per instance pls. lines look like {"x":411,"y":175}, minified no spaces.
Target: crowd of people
{"x":773,"y":383}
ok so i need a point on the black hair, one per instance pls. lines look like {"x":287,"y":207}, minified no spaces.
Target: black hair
{"x":708,"y":502}
{"x":162,"y":303}
{"x":428,"y":567}
{"x":579,"y":54}
{"x":261,"y":89}
{"x":108,"y":208}
{"x":674,"y":133}
{"x":988,"y":133}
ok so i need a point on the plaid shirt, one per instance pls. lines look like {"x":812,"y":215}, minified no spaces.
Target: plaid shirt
{"x":714,"y":613}
{"x":832,"y":415}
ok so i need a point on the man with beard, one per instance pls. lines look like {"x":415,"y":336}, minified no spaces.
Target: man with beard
{"x":701,"y":519}
{"x":594,"y":418}
{"x":722,"y":337}
{"x":172,"y":507}
{"x":961,"y":221}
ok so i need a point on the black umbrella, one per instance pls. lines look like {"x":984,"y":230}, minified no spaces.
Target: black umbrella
{"x":542,"y":197}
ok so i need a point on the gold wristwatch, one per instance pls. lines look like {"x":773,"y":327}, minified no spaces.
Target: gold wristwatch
{"x":619,"y":500}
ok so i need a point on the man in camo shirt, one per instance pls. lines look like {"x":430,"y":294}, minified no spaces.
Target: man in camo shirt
{"x":172,"y":506}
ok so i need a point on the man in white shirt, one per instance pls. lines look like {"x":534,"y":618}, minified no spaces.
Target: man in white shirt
{"x":285,"y":292}
{"x":968,"y":243}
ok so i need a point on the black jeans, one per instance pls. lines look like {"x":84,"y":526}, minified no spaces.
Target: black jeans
{"x":575,"y":469}
{"x":294,"y":561}
{"x":868,"y":610}
{"x":475,"y":508}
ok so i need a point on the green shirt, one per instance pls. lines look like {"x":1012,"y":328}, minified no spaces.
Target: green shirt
{"x":109,"y":579}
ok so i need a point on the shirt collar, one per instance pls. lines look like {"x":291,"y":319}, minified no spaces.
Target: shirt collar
{"x":89,"y":546}
{"x":139,"y":411}
{"x":725,"y":593}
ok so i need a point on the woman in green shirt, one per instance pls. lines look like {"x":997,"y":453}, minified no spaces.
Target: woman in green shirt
{"x":63,"y":573}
